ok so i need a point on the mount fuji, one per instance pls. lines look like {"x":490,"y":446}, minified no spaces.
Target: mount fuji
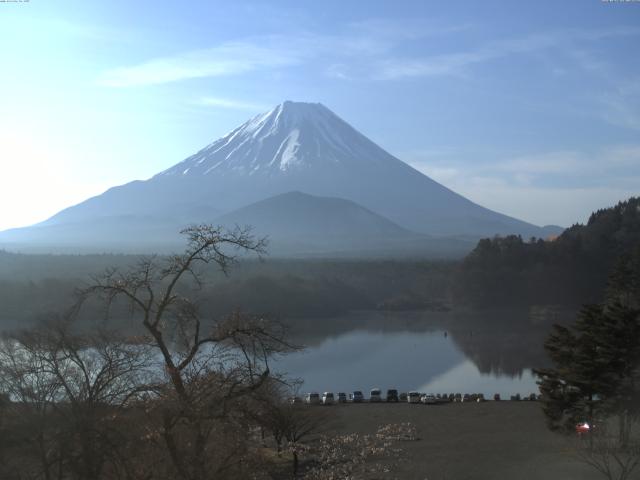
{"x":295,"y":147}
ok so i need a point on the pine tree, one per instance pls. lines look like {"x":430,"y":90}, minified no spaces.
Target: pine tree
{"x":596,"y":372}
{"x":576,"y":389}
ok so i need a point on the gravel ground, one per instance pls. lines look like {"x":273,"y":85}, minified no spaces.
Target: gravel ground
{"x":474,"y":441}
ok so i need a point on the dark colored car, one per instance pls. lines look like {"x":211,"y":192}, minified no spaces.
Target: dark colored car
{"x":357,"y":397}
{"x":392,"y":395}
{"x":342,"y":397}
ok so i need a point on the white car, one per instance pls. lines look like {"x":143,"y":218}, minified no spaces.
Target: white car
{"x":375,"y":395}
{"x":312,"y":398}
{"x":327,"y":398}
{"x":413,"y":397}
{"x":428,"y":399}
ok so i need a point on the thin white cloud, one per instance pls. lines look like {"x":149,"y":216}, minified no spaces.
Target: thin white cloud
{"x":227,"y":59}
{"x":622,"y":104}
{"x":545,"y":163}
{"x":230,"y":104}
{"x":450,"y":64}
{"x":360,"y":43}
{"x":368,"y":50}
{"x":602,"y":162}
{"x":338,"y":70}
{"x":405,"y":28}
{"x":544,"y":205}
{"x":443,"y":174}
{"x":617,"y":102}
{"x":623,"y":155}
{"x":532,"y":187}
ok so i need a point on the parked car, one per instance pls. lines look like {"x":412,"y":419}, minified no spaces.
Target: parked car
{"x":515,"y":398}
{"x":533,"y":397}
{"x":342,"y":397}
{"x":496,"y":397}
{"x":312,"y":398}
{"x":428,"y":399}
{"x":295,"y":400}
{"x":357,"y":397}
{"x":392,"y":395}
{"x":452,"y":397}
{"x":375,"y":395}
{"x":328,"y":398}
{"x":403,"y":397}
{"x":413,"y":397}
{"x":480,"y":397}
{"x":466,"y":397}
{"x":457,"y":397}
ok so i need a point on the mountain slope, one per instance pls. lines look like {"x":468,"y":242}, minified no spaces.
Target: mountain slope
{"x":294,"y":147}
{"x":299,"y":224}
{"x":299,"y":215}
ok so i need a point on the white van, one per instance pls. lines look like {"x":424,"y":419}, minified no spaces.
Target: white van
{"x":375,"y":395}
{"x":327,"y":398}
{"x":312,"y":398}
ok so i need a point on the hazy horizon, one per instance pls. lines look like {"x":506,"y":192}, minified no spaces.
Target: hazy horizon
{"x":531,"y":110}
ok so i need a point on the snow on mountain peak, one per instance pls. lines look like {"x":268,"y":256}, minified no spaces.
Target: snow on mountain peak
{"x":292,"y":137}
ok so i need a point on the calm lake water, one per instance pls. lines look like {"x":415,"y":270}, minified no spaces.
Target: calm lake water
{"x":427,"y":352}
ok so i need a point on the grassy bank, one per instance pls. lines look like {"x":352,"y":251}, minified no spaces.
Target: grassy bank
{"x":481,"y":441}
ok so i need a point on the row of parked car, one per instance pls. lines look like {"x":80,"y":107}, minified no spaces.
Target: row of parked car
{"x":375,"y":395}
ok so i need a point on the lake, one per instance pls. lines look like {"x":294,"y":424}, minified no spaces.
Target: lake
{"x":443,"y":352}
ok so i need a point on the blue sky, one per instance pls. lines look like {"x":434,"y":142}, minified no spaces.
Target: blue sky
{"x":528,"y":108}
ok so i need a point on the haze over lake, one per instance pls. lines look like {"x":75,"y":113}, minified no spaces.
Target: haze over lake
{"x":436,"y":352}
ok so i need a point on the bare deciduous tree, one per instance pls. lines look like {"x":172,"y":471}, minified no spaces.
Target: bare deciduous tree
{"x":209,"y":368}
{"x":67,"y":390}
{"x":614,"y":457}
{"x":289,"y":424}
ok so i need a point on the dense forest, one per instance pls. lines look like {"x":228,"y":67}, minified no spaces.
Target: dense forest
{"x":32,"y":286}
{"x":507,"y":271}
{"x":571,"y":269}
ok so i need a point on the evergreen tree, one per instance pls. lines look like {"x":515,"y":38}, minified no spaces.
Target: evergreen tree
{"x":582,"y":378}
{"x":596,"y":372}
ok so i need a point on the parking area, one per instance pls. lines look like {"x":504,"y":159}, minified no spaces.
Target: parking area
{"x":412,"y":397}
{"x":473,"y":441}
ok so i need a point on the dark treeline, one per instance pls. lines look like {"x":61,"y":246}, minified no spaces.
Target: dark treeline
{"x":34,"y":285}
{"x":569,"y":270}
{"x":500,"y":272}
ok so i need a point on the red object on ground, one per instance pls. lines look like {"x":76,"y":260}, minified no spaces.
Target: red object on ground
{"x":582,"y":428}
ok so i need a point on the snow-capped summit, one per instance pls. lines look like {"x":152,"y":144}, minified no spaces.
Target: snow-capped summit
{"x":295,"y":147}
{"x":291,"y":136}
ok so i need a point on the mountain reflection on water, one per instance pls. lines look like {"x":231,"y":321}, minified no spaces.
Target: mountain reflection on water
{"x":438,"y":352}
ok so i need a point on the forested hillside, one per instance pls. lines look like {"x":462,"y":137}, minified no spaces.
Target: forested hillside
{"x":35,"y":285}
{"x":570,"y":269}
